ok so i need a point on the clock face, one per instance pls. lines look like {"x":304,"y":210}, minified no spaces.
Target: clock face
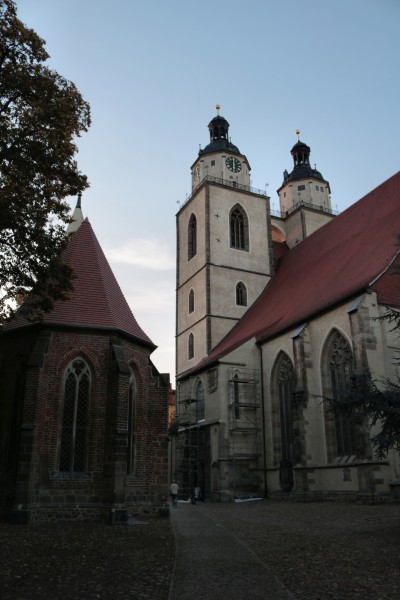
{"x":233,"y":164}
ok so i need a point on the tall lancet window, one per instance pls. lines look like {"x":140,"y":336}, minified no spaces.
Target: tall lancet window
{"x":131,"y":451}
{"x":73,"y":442}
{"x":192,"y":237}
{"x":286,"y":383}
{"x":239,"y":229}
{"x":341,"y":367}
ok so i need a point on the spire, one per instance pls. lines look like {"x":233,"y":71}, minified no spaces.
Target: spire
{"x":77,"y":216}
{"x":219,"y":139}
{"x":300,"y":152}
{"x":218,"y":127}
{"x":302,"y":168}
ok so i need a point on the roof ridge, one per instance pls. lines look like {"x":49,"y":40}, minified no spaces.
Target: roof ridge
{"x":337,"y":261}
{"x":388,"y":266}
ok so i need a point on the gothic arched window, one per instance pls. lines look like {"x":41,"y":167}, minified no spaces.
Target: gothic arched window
{"x":340,"y":359}
{"x":239,"y":229}
{"x":74,"y":426}
{"x":131,"y":452}
{"x":192,"y":237}
{"x":191,"y":301}
{"x":286,"y":384}
{"x":200,"y":409}
{"x":241,"y":294}
{"x":191,"y":346}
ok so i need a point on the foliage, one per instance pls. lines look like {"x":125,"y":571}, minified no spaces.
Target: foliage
{"x":377,"y":402}
{"x":41,"y":114}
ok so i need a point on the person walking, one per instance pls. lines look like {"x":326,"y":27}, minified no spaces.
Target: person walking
{"x":174,"y":489}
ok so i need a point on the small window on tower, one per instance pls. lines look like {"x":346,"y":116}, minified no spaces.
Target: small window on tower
{"x":213,"y":163}
{"x":241,"y":294}
{"x":301,"y":187}
{"x":191,"y":301}
{"x":192,"y":237}
{"x":191,"y":346}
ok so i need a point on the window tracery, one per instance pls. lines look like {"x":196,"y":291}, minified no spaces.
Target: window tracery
{"x":341,"y":368}
{"x":239,"y":231}
{"x":73,"y":439}
{"x":241,"y":294}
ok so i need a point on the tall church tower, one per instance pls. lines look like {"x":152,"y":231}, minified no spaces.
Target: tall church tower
{"x":304,"y":199}
{"x":224,"y":255}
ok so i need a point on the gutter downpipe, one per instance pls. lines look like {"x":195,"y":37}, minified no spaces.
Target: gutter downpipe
{"x":263,"y":421}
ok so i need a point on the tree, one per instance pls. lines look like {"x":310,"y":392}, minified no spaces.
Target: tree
{"x":41,"y":115}
{"x":377,"y":402}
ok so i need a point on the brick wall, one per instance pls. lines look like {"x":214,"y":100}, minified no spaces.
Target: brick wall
{"x":35,"y":489}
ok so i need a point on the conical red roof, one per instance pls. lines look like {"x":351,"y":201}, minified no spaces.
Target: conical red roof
{"x":96,"y":300}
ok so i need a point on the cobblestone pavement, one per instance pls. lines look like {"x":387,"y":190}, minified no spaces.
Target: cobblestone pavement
{"x":86,"y":561}
{"x":321,"y":551}
{"x":211,"y":564}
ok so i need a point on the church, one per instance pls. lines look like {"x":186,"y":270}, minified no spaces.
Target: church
{"x":275,"y":312}
{"x":83,"y":411}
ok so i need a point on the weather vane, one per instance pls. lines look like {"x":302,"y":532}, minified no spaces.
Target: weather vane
{"x":298,"y":134}
{"x":218,"y":108}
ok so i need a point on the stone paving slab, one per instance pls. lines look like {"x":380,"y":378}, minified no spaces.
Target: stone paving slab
{"x":321,"y":550}
{"x":318,"y":550}
{"x":212,"y":564}
{"x":86,"y":561}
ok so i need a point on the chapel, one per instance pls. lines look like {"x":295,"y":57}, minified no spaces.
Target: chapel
{"x":276,"y":311}
{"x":83,"y":411}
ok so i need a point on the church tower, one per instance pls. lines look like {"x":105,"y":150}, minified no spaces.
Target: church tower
{"x":304,"y":199}
{"x":223,"y":247}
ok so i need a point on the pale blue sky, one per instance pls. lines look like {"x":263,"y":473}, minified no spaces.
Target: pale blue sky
{"x":153,"y":71}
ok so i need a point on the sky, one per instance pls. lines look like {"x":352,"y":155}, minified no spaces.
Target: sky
{"x":153,"y":72}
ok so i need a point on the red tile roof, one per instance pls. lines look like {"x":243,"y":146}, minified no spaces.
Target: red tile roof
{"x":387,"y":285}
{"x":97,"y":300}
{"x":340,"y":260}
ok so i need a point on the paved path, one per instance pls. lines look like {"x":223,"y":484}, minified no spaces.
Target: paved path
{"x":211,"y":564}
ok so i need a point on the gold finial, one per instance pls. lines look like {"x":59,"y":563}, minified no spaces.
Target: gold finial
{"x":217,"y":108}
{"x":298,"y":134}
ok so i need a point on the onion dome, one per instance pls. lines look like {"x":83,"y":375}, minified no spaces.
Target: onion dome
{"x":219,"y":140}
{"x":302,"y":168}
